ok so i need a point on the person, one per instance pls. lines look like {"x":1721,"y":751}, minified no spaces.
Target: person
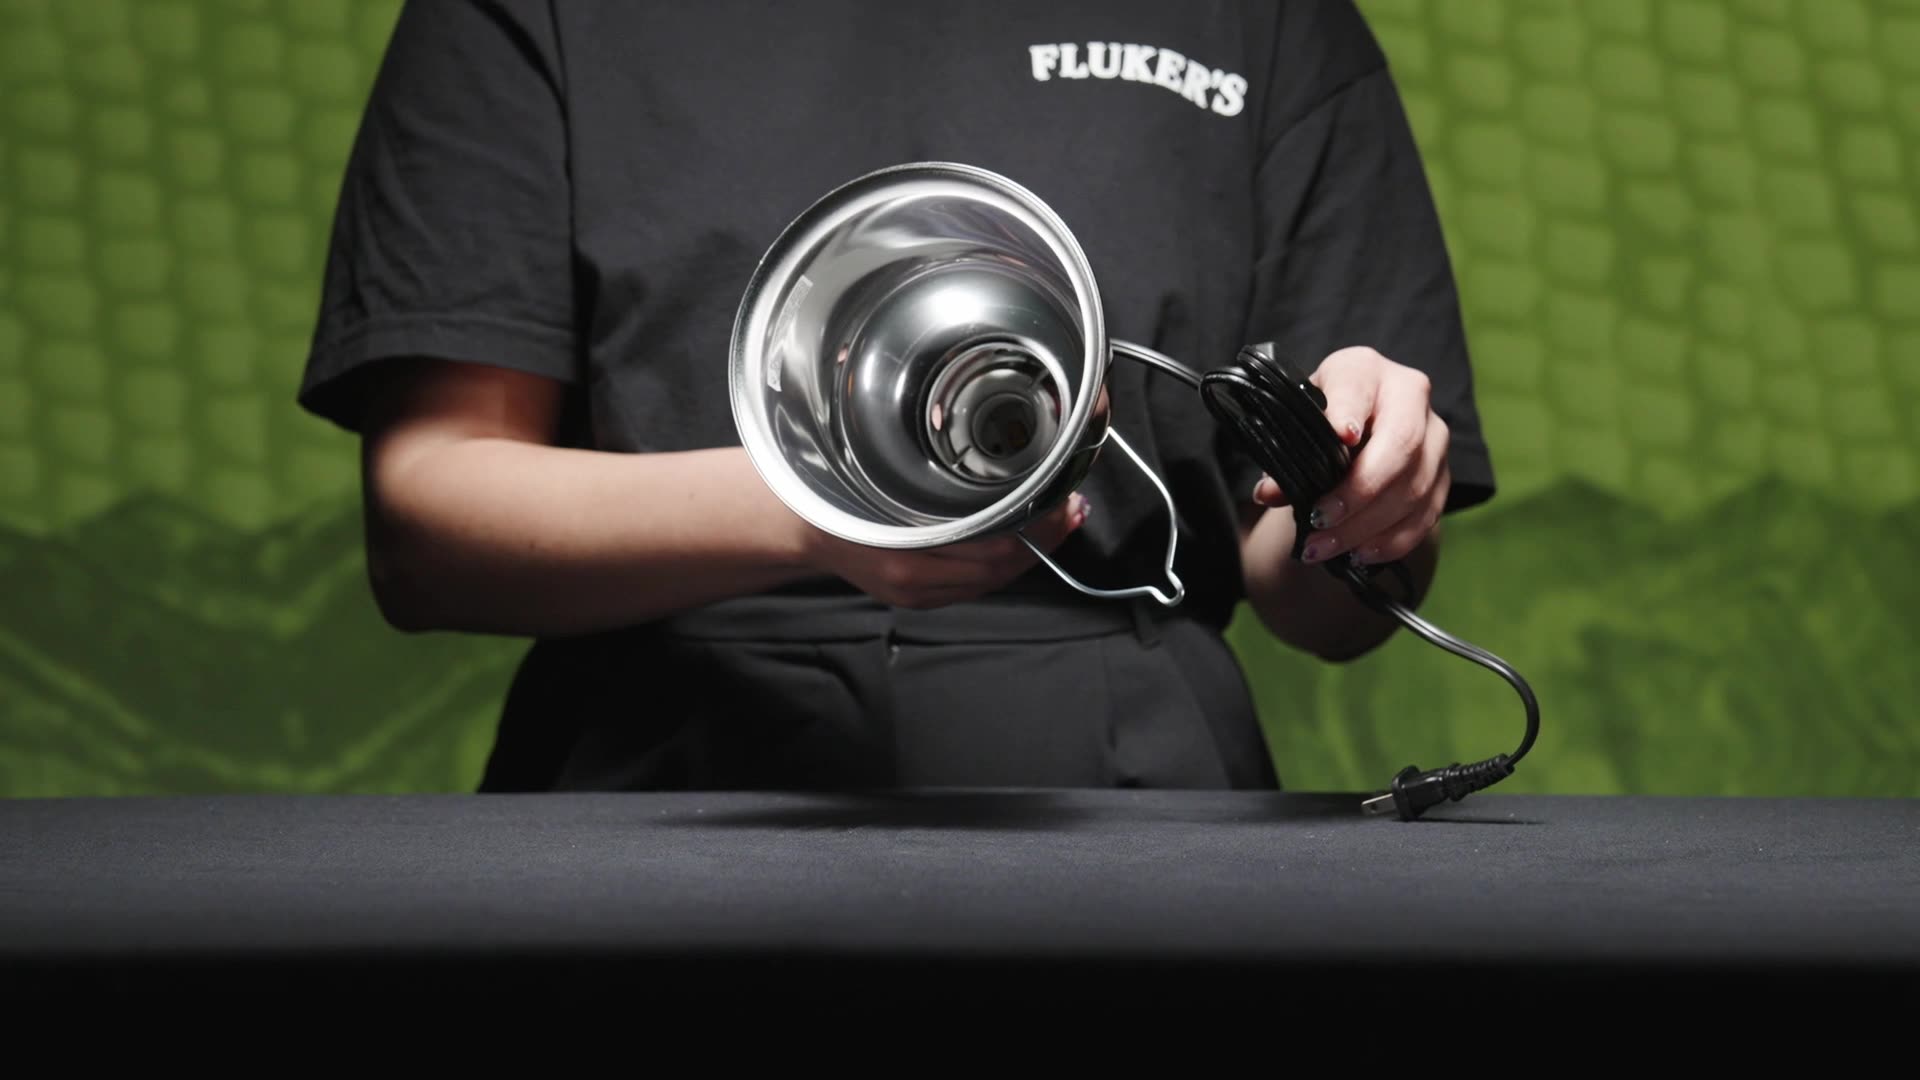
{"x":546,"y":224}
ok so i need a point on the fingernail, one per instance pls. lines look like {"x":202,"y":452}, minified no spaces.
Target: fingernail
{"x":1076,"y":504}
{"x":1328,"y":513}
{"x":1353,"y":429}
{"x":1362,"y":556}
{"x":1314,"y":551}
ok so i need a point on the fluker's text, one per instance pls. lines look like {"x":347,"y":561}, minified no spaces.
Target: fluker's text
{"x":1223,"y":92}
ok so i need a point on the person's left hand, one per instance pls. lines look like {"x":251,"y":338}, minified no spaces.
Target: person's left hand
{"x":1398,"y":483}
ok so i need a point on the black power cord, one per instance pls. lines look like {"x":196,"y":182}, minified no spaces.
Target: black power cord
{"x":1279,"y":417}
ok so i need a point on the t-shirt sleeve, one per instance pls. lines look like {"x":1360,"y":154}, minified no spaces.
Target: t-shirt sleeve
{"x":451,"y":238}
{"x":1350,"y":249}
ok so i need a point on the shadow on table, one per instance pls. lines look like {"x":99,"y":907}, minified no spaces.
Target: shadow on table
{"x":1023,"y":810}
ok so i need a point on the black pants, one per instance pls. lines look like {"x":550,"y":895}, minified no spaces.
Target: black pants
{"x":833,"y":691}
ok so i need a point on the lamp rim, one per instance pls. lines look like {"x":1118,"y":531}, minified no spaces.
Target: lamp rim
{"x":771,"y":278}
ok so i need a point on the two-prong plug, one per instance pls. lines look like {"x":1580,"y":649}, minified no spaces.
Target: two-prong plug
{"x":1414,"y":790}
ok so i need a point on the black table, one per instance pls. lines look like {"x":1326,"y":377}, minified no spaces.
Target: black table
{"x":1018,"y":896}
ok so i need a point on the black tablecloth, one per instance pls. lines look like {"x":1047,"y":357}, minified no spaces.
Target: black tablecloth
{"x":997,"y":892}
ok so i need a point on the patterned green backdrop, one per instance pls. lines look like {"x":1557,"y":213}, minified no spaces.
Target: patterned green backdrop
{"x":1688,"y":239}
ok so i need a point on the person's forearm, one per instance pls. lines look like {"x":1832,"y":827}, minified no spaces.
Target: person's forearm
{"x":1304,"y":606}
{"x":499,"y":536}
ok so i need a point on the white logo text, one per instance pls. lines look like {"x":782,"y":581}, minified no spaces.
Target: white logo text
{"x":1209,"y":88}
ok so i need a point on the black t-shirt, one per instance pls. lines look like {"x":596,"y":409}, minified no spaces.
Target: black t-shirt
{"x":582,"y":188}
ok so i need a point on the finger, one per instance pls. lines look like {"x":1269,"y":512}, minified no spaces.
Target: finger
{"x":1051,"y":531}
{"x":1047,"y":530}
{"x":938,"y":582}
{"x":1351,"y":380}
{"x":1268,"y":493}
{"x":906,"y":574}
{"x":1042,"y":537}
{"x":1408,"y":491}
{"x":982,"y":565}
{"x":1400,"y":421}
{"x":989,"y":549}
{"x":1400,"y":539}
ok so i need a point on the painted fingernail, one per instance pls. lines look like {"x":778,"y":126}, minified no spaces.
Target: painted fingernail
{"x":1328,"y":513}
{"x":1363,"y":556}
{"x":1314,"y":551}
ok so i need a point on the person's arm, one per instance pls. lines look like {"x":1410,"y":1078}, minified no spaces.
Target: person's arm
{"x":1310,"y":609}
{"x":1352,"y":274}
{"x":1388,"y":509}
{"x":454,"y":240}
{"x":475,"y":522}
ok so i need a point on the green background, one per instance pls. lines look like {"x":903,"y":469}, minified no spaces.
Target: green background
{"x":1689,"y":245}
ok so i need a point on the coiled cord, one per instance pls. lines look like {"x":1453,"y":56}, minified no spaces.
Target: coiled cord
{"x":1279,"y":417}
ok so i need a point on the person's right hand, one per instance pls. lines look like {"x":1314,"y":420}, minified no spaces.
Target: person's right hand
{"x":935,"y":577}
